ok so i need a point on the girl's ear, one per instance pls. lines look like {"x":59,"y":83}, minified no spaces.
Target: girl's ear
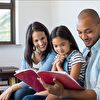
{"x":70,"y":43}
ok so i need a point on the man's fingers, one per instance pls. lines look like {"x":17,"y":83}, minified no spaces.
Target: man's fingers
{"x":46,"y":86}
{"x":56,"y":82}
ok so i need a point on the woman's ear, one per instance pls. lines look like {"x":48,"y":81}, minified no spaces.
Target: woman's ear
{"x":34,"y":48}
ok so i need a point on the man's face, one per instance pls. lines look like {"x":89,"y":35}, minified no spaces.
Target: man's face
{"x":88,"y":31}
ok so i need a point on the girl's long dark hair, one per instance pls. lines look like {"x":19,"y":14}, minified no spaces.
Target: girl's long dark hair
{"x":36,"y":26}
{"x":64,"y":33}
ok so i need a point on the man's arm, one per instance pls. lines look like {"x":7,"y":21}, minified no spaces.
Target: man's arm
{"x":86,"y":94}
{"x":58,"y":90}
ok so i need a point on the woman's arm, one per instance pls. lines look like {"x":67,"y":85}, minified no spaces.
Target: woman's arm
{"x":6,"y":94}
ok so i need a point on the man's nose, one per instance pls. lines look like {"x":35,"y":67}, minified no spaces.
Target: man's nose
{"x":84,"y":36}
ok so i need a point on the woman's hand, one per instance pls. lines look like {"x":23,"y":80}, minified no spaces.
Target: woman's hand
{"x":6,"y":94}
{"x":56,"y":89}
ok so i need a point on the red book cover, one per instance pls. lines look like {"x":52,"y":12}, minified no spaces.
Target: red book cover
{"x":29,"y":76}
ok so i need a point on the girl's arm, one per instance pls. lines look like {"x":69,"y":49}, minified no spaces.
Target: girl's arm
{"x":75,"y":70}
{"x":54,"y":67}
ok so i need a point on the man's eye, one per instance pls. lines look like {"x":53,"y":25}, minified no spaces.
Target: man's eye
{"x":89,"y":31}
{"x":79,"y":32}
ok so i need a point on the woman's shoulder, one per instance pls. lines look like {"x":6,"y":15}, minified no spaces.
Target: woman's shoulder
{"x":52,"y":53}
{"x":24,"y":64}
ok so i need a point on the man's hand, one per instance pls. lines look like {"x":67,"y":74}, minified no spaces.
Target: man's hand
{"x":56,"y":89}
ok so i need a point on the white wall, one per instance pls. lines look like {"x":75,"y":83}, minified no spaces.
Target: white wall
{"x":66,"y":12}
{"x":49,"y":12}
{"x":27,"y":12}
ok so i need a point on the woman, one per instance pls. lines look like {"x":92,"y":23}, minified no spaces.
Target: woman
{"x":68,"y":60}
{"x":38,"y":55}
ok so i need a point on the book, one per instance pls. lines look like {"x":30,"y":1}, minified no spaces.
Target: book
{"x":29,"y":76}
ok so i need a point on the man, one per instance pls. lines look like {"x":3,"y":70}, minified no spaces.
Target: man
{"x":88,"y":29}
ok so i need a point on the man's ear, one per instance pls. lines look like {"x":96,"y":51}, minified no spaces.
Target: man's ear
{"x":99,"y":28}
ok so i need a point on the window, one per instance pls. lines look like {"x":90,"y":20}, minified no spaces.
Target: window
{"x":7,"y":21}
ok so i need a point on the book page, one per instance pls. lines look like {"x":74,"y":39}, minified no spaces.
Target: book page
{"x":64,"y":78}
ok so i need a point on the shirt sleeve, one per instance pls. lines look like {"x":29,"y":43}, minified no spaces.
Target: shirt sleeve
{"x":96,"y":83}
{"x":76,"y":58}
{"x":97,"y":89}
{"x":23,"y":85}
{"x":24,"y":65}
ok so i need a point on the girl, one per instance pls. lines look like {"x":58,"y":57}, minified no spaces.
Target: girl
{"x":68,"y":59}
{"x":38,"y":55}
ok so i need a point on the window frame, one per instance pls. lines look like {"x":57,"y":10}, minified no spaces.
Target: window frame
{"x":11,"y":7}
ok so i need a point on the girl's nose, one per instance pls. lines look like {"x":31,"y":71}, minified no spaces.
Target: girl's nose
{"x":59,"y":49}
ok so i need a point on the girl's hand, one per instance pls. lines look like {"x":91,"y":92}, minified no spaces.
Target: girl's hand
{"x":59,"y":61}
{"x":6,"y":94}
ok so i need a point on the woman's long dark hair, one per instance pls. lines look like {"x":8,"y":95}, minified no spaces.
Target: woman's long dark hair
{"x":64,"y":33}
{"x":35,"y":27}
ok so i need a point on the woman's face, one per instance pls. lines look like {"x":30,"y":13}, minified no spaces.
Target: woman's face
{"x":61,"y":46}
{"x":40,"y":40}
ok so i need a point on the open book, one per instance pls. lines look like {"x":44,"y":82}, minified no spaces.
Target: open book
{"x":29,"y":76}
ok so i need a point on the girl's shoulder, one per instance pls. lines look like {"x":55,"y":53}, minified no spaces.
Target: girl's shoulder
{"x":75,"y":54}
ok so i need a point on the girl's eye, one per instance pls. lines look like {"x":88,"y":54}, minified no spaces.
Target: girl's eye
{"x":55,"y":46}
{"x":63,"y":45}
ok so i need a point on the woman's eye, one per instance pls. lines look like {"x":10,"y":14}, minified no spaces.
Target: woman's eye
{"x":36,"y":41}
{"x":42,"y":38}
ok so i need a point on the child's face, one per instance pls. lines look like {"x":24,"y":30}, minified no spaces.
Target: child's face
{"x":61,"y":46}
